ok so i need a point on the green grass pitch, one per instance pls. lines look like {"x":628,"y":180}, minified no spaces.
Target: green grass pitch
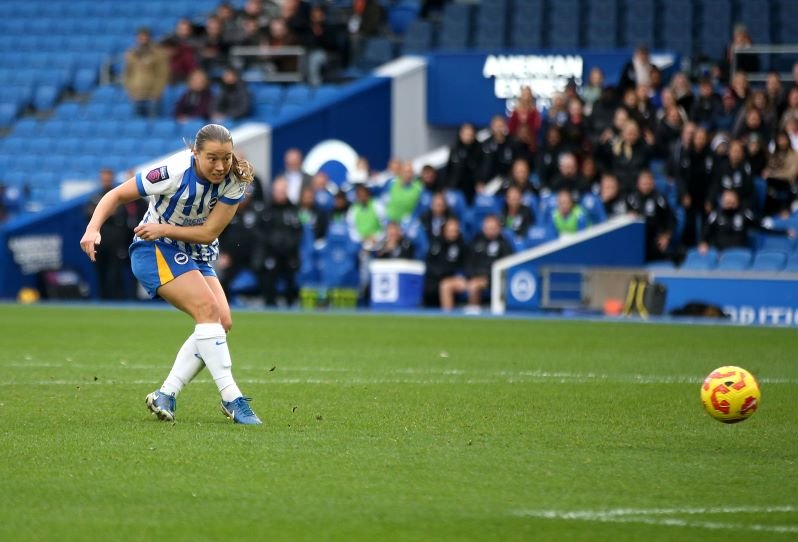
{"x":393,"y":428}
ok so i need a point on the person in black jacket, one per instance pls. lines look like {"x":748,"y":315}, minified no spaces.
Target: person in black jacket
{"x":707,"y":106}
{"x":729,"y":226}
{"x":735,"y":174}
{"x":649,"y":204}
{"x":464,"y":161}
{"x":117,"y":233}
{"x":446,"y":258}
{"x":695,"y":180}
{"x":486,"y":248}
{"x":434,"y":219}
{"x":395,"y":244}
{"x":311,"y":215}
{"x":240,"y":239}
{"x":498,"y":151}
{"x":282,"y":235}
{"x":629,"y":156}
{"x":517,"y":217}
{"x":233,"y":101}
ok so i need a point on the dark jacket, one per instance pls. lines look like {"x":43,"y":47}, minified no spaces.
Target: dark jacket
{"x":519,"y":223}
{"x":483,"y":253}
{"x":194,"y":104}
{"x":445,"y":259}
{"x":282,"y":230}
{"x":738,"y":178}
{"x":463,"y":168}
{"x":233,"y":101}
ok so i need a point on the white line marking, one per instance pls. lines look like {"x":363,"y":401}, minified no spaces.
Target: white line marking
{"x":654,"y":516}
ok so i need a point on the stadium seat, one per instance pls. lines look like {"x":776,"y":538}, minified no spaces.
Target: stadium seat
{"x":791,"y":266}
{"x":776,"y":242}
{"x":418,"y":37}
{"x":661,"y":265}
{"x":537,"y":235}
{"x":297,"y":94}
{"x":714,"y":29}
{"x":734,"y":259}
{"x":769,"y":260}
{"x":695,"y":261}
{"x":8,"y":114}
{"x":601,"y":24}
{"x":401,"y":15}
{"x":45,"y":96}
{"x":564,"y":24}
{"x":594,"y":208}
{"x":639,"y":22}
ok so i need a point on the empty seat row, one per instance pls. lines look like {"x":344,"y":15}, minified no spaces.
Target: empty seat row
{"x":741,"y":259}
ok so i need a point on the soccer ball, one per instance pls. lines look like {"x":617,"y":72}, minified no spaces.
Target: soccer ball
{"x":730,"y":394}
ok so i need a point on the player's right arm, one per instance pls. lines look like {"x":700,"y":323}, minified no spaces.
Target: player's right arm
{"x":124,"y":193}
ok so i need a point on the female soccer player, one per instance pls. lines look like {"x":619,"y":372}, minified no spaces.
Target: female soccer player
{"x":193,"y":195}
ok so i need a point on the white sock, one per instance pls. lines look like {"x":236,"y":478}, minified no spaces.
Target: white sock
{"x":188,"y":364}
{"x":211,"y":342}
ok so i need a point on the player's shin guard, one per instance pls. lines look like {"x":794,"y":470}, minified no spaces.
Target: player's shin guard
{"x":211,"y":342}
{"x":188,"y":364}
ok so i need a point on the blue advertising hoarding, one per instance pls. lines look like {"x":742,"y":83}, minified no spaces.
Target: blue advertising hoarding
{"x":474,"y":86}
{"x":753,"y":299}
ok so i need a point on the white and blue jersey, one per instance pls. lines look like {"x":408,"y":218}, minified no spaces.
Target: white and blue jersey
{"x":178,"y":196}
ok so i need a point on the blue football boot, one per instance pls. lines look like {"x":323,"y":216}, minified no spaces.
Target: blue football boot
{"x":239,"y":411}
{"x":162,"y":405}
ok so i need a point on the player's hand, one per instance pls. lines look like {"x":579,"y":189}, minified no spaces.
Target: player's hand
{"x":89,"y":242}
{"x":150,"y":232}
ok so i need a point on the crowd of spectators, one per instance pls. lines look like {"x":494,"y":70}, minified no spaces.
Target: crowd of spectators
{"x":200,"y":54}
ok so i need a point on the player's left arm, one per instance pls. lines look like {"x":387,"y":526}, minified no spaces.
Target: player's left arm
{"x":205,"y":233}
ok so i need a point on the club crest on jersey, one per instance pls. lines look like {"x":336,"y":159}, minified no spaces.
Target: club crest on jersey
{"x":158,"y":174}
{"x":181,"y":258}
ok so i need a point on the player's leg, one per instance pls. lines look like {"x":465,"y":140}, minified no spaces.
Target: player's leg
{"x":191,"y":293}
{"x":450,"y":287}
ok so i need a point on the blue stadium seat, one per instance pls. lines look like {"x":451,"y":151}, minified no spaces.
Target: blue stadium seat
{"x":695,"y":261}
{"x":492,"y":24}
{"x":594,"y":208}
{"x":661,"y":265}
{"x":418,"y":37}
{"x":714,"y":27}
{"x":8,"y":114}
{"x":401,"y":15}
{"x":45,"y":96}
{"x":769,"y":260}
{"x":564,"y":24}
{"x":297,"y":94}
{"x":268,"y":93}
{"x":537,"y":235}
{"x":791,"y":265}
{"x":638,"y":22}
{"x":776,"y":242}
{"x":164,"y":129}
{"x":734,"y":259}
{"x":456,"y":27}
{"x":376,"y":51}
{"x":676,"y":26}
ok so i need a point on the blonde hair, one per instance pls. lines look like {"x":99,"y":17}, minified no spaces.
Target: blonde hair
{"x":216,"y":132}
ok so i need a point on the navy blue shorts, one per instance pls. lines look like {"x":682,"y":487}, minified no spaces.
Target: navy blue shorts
{"x":155,"y":263}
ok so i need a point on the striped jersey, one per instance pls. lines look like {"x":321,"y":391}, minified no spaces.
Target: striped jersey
{"x":178,"y":196}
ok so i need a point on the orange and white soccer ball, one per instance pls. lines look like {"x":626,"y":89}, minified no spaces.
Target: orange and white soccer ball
{"x":730,"y":394}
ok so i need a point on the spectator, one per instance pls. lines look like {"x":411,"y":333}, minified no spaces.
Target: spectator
{"x":649,"y":204}
{"x":726,"y":117}
{"x":282,"y":235}
{"x":213,"y":48}
{"x":517,"y":217}
{"x":590,"y":173}
{"x":463,"y":166}
{"x":669,"y":129}
{"x":569,"y":177}
{"x":739,"y":86}
{"x":260,"y":11}
{"x":549,"y":157}
{"x":519,"y":176}
{"x":395,"y":244}
{"x":790,"y":106}
{"x":557,"y":113}
{"x":568,"y":217}
{"x":575,"y":131}
{"x":292,"y":172}
{"x":117,"y":233}
{"x":146,"y":74}
{"x":525,"y":113}
{"x":365,"y":218}
{"x":602,"y":115}
{"x":340,"y":209}
{"x":322,"y":43}
{"x":781,"y":175}
{"x":366,"y":21}
{"x":756,"y":154}
{"x":227,"y":19}
{"x":730,"y":226}
{"x":498,"y":151}
{"x":610,"y":136}
{"x":695,"y":179}
{"x":196,"y":101}
{"x":446,"y":259}
{"x":280,"y":36}
{"x":610,"y":192}
{"x":240,"y":240}
{"x":251,"y":34}
{"x":486,"y":248}
{"x":682,"y":91}
{"x":311,"y":216}
{"x":630,"y":156}
{"x":592,"y":91}
{"x":234,"y":100}
{"x":429,"y":178}
{"x":645,"y":111}
{"x":403,"y":194}
{"x":707,"y":106}
{"x":296,"y":15}
{"x":434,"y":218}
{"x":775,"y":91}
{"x":733,"y":174}
{"x":752,"y":123}
{"x":637,"y":71}
{"x":741,"y":40}
{"x":182,"y":51}
{"x":791,"y":128}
